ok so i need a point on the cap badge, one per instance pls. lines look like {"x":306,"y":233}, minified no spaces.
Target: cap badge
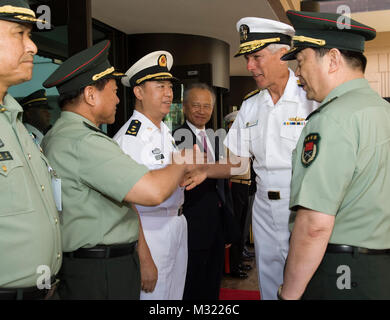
{"x":162,"y":60}
{"x":244,"y":30}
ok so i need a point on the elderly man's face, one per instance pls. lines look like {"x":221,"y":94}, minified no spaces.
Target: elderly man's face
{"x":16,"y":53}
{"x":199,"y":107}
{"x":265,"y":67}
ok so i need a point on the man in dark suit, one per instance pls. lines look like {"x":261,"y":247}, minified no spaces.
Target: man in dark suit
{"x":205,"y":207}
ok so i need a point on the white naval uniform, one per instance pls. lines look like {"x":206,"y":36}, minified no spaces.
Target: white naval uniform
{"x":165,"y":232}
{"x":269,"y":133}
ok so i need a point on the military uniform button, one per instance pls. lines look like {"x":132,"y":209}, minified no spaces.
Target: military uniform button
{"x":29,"y":156}
{"x":56,"y":220}
{"x":4,"y":168}
{"x":58,"y":255}
{"x":43,"y":187}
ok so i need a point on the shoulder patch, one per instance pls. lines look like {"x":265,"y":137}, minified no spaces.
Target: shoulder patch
{"x":93,"y":128}
{"x":133,"y":128}
{"x":311,"y":147}
{"x":250,"y":94}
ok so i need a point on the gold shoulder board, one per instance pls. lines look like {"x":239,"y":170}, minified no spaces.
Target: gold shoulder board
{"x":250,"y":94}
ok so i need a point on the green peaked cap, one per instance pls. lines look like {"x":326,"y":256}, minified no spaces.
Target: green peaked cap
{"x":83,"y":69}
{"x":327,"y":30}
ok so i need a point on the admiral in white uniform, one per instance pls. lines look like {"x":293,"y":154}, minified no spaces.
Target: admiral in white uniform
{"x":148,"y":141}
{"x":267,"y":128}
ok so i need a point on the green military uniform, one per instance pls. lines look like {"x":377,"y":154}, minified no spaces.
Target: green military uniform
{"x":91,"y":165}
{"x":350,"y":135}
{"x":30,"y":242}
{"x":96,"y":176}
{"x":29,"y":221}
{"x":341,"y":168}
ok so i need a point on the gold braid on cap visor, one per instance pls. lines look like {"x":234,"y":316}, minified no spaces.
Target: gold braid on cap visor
{"x":35,"y":100}
{"x":12,"y":9}
{"x":319,"y":42}
{"x":102,"y":74}
{"x":30,"y":19}
{"x":160,"y":75}
{"x":252,"y":45}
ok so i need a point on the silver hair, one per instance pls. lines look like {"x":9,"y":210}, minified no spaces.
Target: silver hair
{"x":275,"y":47}
{"x":198,"y":85}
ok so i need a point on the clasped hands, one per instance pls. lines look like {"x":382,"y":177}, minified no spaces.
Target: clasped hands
{"x":195,"y":163}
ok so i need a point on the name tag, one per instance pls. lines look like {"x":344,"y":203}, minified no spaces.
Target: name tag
{"x":56,"y":187}
{"x":159,"y":156}
{"x":251,"y":124}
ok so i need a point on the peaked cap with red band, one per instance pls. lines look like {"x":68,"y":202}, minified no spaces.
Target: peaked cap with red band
{"x":327,"y":30}
{"x":83,"y":69}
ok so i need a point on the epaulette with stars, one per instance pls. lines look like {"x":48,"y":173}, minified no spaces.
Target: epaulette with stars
{"x":251,"y":94}
{"x":133,"y":128}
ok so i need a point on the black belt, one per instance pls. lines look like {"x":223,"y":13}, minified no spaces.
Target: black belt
{"x":31,"y":293}
{"x":342,"y":248}
{"x":274,"y":195}
{"x":103,"y":251}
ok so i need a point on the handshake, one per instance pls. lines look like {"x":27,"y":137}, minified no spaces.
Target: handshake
{"x":199,"y":166}
{"x":196,"y":165}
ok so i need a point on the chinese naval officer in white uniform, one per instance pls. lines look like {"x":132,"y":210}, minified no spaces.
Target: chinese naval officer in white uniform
{"x":147,"y":139}
{"x":267,"y":128}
